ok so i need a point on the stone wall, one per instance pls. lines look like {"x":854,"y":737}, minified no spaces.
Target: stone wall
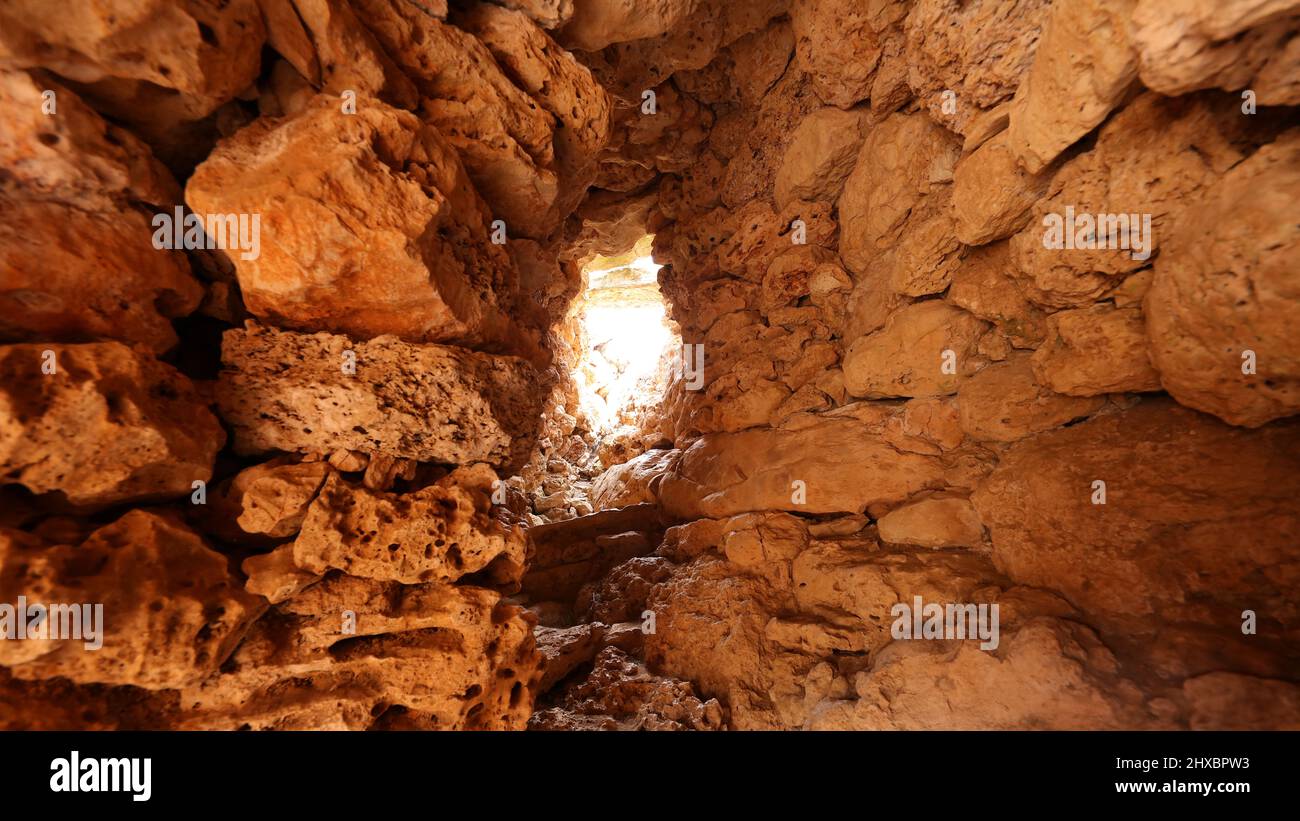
{"x":301,"y":470}
{"x":907,"y":393}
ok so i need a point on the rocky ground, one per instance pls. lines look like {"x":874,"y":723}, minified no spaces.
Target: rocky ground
{"x":324,"y":465}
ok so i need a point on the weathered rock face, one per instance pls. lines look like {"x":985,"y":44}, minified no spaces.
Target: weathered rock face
{"x":853,"y":52}
{"x":1157,"y":551}
{"x":984,"y":419}
{"x":378,"y":535}
{"x":200,"y":55}
{"x":820,"y":156}
{"x":968,"y":350}
{"x":74,"y":182}
{"x":162,"y":604}
{"x":427,"y":656}
{"x":320,"y":393}
{"x":101,"y":424}
{"x":1192,"y":44}
{"x":1083,"y":66}
{"x":817,"y":463}
{"x":1222,"y":307}
{"x":923,"y":350}
{"x":418,"y":263}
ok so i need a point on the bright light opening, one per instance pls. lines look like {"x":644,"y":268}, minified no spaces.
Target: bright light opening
{"x":628,"y":334}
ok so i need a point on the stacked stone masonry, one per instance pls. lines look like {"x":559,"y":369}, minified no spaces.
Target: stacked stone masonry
{"x":997,"y":303}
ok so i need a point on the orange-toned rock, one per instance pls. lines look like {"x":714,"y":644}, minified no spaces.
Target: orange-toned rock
{"x":965,"y":58}
{"x":1192,"y":525}
{"x":762,"y":234}
{"x":1096,"y":350}
{"x":1185,"y":45}
{"x":106,"y":425}
{"x":1083,"y":67}
{"x":503,"y":136}
{"x":750,"y":171}
{"x":1142,"y":168}
{"x":351,"y":653}
{"x":631,"y":482}
{"x":560,"y":84}
{"x":76,"y":262}
{"x":904,"y":163}
{"x":438,"y":533}
{"x":991,"y":194}
{"x":691,"y":42}
{"x":826,"y":464}
{"x":600,"y":23}
{"x":1004,"y":402}
{"x":790,"y":276}
{"x":548,"y":13}
{"x":924,"y":349}
{"x":935,"y":522}
{"x":270,"y":499}
{"x":1229,"y":701}
{"x":169,"y":612}
{"x":1224,"y":300}
{"x":70,"y":274}
{"x":820,"y":156}
{"x":916,"y":686}
{"x":984,"y":286}
{"x":312,"y":392}
{"x":72,"y":154}
{"x":849,"y":49}
{"x":346,"y":55}
{"x":182,"y":57}
{"x":275,"y":576}
{"x":620,"y":693}
{"x":417,"y":263}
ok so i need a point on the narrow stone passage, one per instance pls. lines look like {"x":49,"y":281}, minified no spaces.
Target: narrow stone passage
{"x":536,"y":364}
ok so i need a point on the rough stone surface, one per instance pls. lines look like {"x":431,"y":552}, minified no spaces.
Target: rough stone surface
{"x":439,"y":533}
{"x":269,"y":499}
{"x":50,"y":286}
{"x":631,"y":482}
{"x":905,"y":164}
{"x":936,"y":522}
{"x":427,"y":656}
{"x":417,"y":263}
{"x":504,"y":138}
{"x":286,"y":391}
{"x":1229,"y":287}
{"x":1083,"y":67}
{"x":907,"y":391}
{"x":1096,"y":350}
{"x":200,"y":55}
{"x":991,"y":194}
{"x":1192,"y":508}
{"x":1004,"y":402}
{"x":108,"y":425}
{"x":851,"y":50}
{"x":908,"y":357}
{"x":1192,"y":44}
{"x":171,"y":614}
{"x":820,"y":156}
{"x":976,"y":52}
{"x":843,"y":463}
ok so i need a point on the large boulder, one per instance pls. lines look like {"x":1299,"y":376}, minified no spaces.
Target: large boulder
{"x":1194,"y":524}
{"x":418,"y":262}
{"x":1224,"y":305}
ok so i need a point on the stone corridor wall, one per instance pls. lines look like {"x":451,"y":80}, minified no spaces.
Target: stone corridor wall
{"x":281,"y":463}
{"x":907,"y":393}
{"x":290,"y":502}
